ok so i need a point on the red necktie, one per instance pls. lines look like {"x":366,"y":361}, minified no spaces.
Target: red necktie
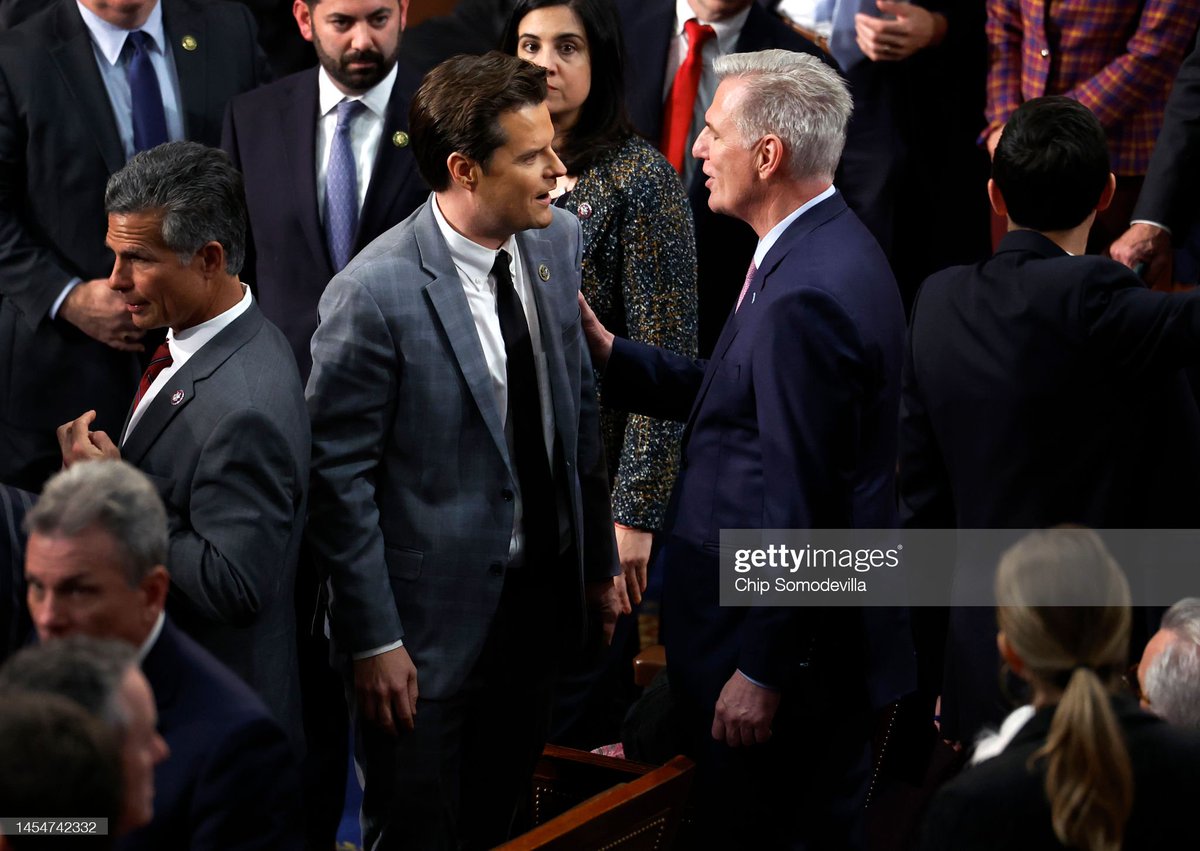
{"x":677,"y":115}
{"x":160,"y":361}
{"x":750,"y":273}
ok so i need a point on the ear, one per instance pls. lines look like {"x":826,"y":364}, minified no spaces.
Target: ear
{"x":464,"y":171}
{"x":303,"y":16}
{"x":403,"y":14}
{"x":1009,"y":655}
{"x":212,"y":258}
{"x":1107,"y":195}
{"x":770,"y":155}
{"x":154,"y":587}
{"x":997,"y":199}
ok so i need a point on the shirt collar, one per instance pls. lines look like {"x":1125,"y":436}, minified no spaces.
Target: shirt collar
{"x":187,"y":343}
{"x":375,"y":98}
{"x":155,"y":632}
{"x":727,"y":30}
{"x":110,"y":39}
{"x":768,"y":242}
{"x":473,"y":260}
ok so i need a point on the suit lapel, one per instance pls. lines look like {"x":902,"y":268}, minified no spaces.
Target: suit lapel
{"x":393,"y":166}
{"x":450,"y":304}
{"x":181,"y":389}
{"x":797,"y":231}
{"x":536,"y":253}
{"x":191,"y":66}
{"x":76,"y":60}
{"x":297,"y":145}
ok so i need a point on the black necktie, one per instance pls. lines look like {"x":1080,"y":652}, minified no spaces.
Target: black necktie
{"x":525,"y":416}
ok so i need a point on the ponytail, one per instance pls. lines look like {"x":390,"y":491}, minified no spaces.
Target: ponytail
{"x":1089,"y":778}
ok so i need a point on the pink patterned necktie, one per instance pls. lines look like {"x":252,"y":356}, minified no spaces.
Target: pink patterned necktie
{"x":750,"y":273}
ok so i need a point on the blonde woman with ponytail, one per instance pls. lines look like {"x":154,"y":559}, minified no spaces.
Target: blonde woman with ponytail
{"x":1089,"y":770}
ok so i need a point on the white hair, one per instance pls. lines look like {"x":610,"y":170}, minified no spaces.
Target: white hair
{"x":796,"y":97}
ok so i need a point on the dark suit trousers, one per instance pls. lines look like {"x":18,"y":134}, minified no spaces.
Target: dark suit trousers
{"x":461,"y":778}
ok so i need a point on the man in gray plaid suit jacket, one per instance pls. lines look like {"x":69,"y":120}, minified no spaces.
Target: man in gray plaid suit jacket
{"x":459,"y":498}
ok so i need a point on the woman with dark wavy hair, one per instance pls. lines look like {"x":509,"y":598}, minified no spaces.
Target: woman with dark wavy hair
{"x":1089,"y":770}
{"x":639,"y":252}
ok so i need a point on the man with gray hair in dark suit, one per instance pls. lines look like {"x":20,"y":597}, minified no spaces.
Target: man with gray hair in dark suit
{"x":218,"y":423}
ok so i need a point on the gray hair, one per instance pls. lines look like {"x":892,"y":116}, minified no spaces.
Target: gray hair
{"x":1173,"y":678}
{"x":197,"y":190}
{"x":796,"y":97}
{"x":85,"y":670}
{"x":116,"y":497}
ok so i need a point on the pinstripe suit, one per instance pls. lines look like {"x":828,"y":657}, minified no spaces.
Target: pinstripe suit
{"x":412,"y":494}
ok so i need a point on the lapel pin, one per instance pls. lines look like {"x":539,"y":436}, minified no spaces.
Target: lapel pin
{"x":585,"y":210}
{"x":176,"y":397}
{"x":189,"y":43}
{"x":400,"y":139}
{"x":544,"y":272}
{"x":753,"y":296}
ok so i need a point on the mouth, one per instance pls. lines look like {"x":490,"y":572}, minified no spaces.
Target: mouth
{"x":135,"y":307}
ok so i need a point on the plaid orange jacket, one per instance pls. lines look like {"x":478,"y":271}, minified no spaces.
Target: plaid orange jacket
{"x":1116,"y":57}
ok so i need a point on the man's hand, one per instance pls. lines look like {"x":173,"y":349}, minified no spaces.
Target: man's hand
{"x":744,"y":713}
{"x":99,"y":311}
{"x":913,"y":29}
{"x":607,"y":601}
{"x":1145,"y":243}
{"x":633,"y":546}
{"x":79,"y":444}
{"x":386,"y":688}
{"x":599,"y":340}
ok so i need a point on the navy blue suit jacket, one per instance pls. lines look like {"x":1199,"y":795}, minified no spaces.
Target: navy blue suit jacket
{"x":231,"y":780}
{"x":724,"y":245}
{"x":791,"y":424}
{"x":270,"y":134}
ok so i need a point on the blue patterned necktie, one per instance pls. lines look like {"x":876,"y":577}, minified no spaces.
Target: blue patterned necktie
{"x":341,"y":188}
{"x":149,"y":119}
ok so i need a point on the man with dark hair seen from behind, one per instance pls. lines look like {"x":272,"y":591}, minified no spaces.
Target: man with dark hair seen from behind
{"x":460,"y":501}
{"x":95,"y":566}
{"x":218,"y":423}
{"x":84,"y":85}
{"x":69,"y":763}
{"x":1032,"y":380}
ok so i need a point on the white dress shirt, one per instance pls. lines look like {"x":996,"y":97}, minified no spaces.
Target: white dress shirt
{"x":108,"y":43}
{"x":183,"y":346}
{"x":365,"y":131}
{"x":474,"y":264}
{"x":728,"y":32}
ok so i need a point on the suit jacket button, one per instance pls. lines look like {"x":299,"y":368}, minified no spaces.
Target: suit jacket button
{"x":496,"y":569}
{"x":507,"y":495}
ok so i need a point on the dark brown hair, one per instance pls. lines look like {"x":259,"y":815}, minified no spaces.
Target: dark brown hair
{"x":457,"y":109}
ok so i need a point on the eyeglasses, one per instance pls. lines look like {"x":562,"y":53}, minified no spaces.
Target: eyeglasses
{"x":1134,"y":684}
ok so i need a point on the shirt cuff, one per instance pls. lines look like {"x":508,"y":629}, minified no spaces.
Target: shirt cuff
{"x":71,"y":284}
{"x":377,"y":651}
{"x":756,"y":682}
{"x":1158,"y":225}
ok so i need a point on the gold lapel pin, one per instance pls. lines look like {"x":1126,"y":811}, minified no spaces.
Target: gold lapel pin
{"x":189,"y":42}
{"x":400,"y":139}
{"x":544,"y":272}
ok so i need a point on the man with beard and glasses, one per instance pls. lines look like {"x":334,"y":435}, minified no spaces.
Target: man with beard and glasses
{"x":328,"y":168}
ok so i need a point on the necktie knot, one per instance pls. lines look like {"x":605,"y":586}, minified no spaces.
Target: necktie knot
{"x":140,"y":40}
{"x":160,"y":360}
{"x":697,"y":34}
{"x":347,"y":111}
{"x":500,"y":268}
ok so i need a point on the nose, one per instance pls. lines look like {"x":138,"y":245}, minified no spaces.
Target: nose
{"x":160,"y":749}
{"x":700,"y":146}
{"x":119,"y":279}
{"x":556,"y":167}
{"x":361,"y":37}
